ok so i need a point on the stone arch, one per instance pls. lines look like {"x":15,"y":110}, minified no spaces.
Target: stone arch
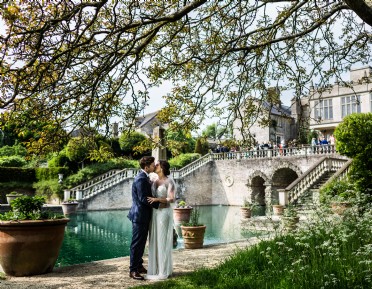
{"x":256,"y":187}
{"x":282,"y":177}
{"x":287,"y":165}
{"x":257,"y":173}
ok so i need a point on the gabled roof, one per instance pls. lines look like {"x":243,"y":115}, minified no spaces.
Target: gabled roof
{"x":281,"y":110}
{"x":143,"y":120}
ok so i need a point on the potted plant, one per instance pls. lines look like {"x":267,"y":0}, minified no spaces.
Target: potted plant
{"x":341,"y":203}
{"x":277,"y":209}
{"x":182,"y":212}
{"x":246,"y":209}
{"x":290,"y":218}
{"x":70,"y":206}
{"x":339,"y":194}
{"x":193,"y":231}
{"x":30,"y":238}
{"x":12,"y":195}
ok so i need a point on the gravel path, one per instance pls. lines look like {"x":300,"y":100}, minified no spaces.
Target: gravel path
{"x":113,"y":273}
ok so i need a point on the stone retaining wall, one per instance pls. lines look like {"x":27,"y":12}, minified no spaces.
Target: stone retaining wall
{"x":225,"y":182}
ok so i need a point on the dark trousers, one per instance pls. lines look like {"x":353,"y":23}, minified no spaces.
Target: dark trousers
{"x":137,"y":247}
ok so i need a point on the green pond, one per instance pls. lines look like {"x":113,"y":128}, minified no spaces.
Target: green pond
{"x":99,"y":235}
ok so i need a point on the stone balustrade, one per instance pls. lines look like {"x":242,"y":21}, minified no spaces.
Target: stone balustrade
{"x":177,"y":174}
{"x":96,"y":179}
{"x":342,"y":172}
{"x":99,"y":184}
{"x":278,"y":152}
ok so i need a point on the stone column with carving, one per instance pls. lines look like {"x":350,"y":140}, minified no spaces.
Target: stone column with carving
{"x":268,"y":194}
{"x":160,"y":152}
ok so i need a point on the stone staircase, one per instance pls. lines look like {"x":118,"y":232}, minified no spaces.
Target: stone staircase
{"x":309,"y":198}
{"x":323,"y":179}
{"x":312,"y":177}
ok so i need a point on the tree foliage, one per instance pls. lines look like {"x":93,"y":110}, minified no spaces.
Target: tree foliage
{"x":86,"y":61}
{"x":12,"y":161}
{"x":102,"y":154}
{"x":60,"y":159}
{"x":354,"y":139}
{"x":215,"y":132}
{"x":201,"y":146}
{"x":354,"y":135}
{"x":210,"y":131}
{"x":38,"y":131}
{"x":78,"y":149}
{"x":179,"y":141}
{"x":129,"y":141}
{"x":15,"y":150}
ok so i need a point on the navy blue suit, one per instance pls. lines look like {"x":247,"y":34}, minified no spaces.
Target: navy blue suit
{"x":140,"y":216}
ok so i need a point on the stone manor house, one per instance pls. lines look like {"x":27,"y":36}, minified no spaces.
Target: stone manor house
{"x":322,"y":110}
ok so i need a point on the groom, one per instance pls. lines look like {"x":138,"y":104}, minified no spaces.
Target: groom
{"x":140,"y":216}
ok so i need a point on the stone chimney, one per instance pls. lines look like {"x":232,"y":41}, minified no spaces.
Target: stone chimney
{"x":357,"y":74}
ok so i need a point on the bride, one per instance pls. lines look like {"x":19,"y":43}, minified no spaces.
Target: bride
{"x":160,"y":261}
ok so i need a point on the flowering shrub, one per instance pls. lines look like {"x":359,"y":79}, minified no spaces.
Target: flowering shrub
{"x":340,"y":190}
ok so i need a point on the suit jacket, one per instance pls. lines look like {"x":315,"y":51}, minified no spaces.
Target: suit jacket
{"x":141,"y":209}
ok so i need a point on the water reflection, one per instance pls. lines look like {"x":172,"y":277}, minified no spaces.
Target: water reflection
{"x":100,"y":235}
{"x":95,"y":236}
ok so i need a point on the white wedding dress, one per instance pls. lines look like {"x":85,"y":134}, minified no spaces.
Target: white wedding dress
{"x":160,"y":260}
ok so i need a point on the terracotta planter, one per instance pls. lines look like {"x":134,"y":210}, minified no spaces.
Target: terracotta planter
{"x":290,"y":223}
{"x":10,"y":198}
{"x":181,"y":215}
{"x":30,"y":247}
{"x":69,"y":208}
{"x":246,"y":213}
{"x":339,"y":208}
{"x":193,"y":237}
{"x":278,"y":210}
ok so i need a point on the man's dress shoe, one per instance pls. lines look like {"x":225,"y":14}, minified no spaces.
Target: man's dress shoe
{"x":142,"y":270}
{"x":136,"y":276}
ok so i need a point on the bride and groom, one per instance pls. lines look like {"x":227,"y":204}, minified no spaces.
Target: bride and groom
{"x":151,"y":215}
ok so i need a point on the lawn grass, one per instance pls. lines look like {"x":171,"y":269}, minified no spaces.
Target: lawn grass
{"x":329,"y":252}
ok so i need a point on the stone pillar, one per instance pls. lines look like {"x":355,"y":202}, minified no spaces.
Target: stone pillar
{"x":283,"y":197}
{"x":159,"y":153}
{"x":267,"y":194}
{"x":79,"y":195}
{"x":66,"y":194}
{"x":268,"y":197}
{"x":115,"y":130}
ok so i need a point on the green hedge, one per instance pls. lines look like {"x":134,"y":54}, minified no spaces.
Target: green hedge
{"x":30,"y":175}
{"x":50,"y":173}
{"x":48,"y":188}
{"x":183,"y":160}
{"x":26,"y":175}
{"x":12,"y":161}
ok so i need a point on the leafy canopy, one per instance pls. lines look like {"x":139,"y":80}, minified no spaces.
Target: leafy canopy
{"x":354,"y":139}
{"x":87,"y":61}
{"x":354,"y":135}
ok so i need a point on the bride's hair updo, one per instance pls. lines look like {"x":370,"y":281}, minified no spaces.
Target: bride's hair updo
{"x":165,"y":167}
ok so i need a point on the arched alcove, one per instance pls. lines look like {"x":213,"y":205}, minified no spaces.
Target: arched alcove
{"x":281,"y":179}
{"x":258,"y":190}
